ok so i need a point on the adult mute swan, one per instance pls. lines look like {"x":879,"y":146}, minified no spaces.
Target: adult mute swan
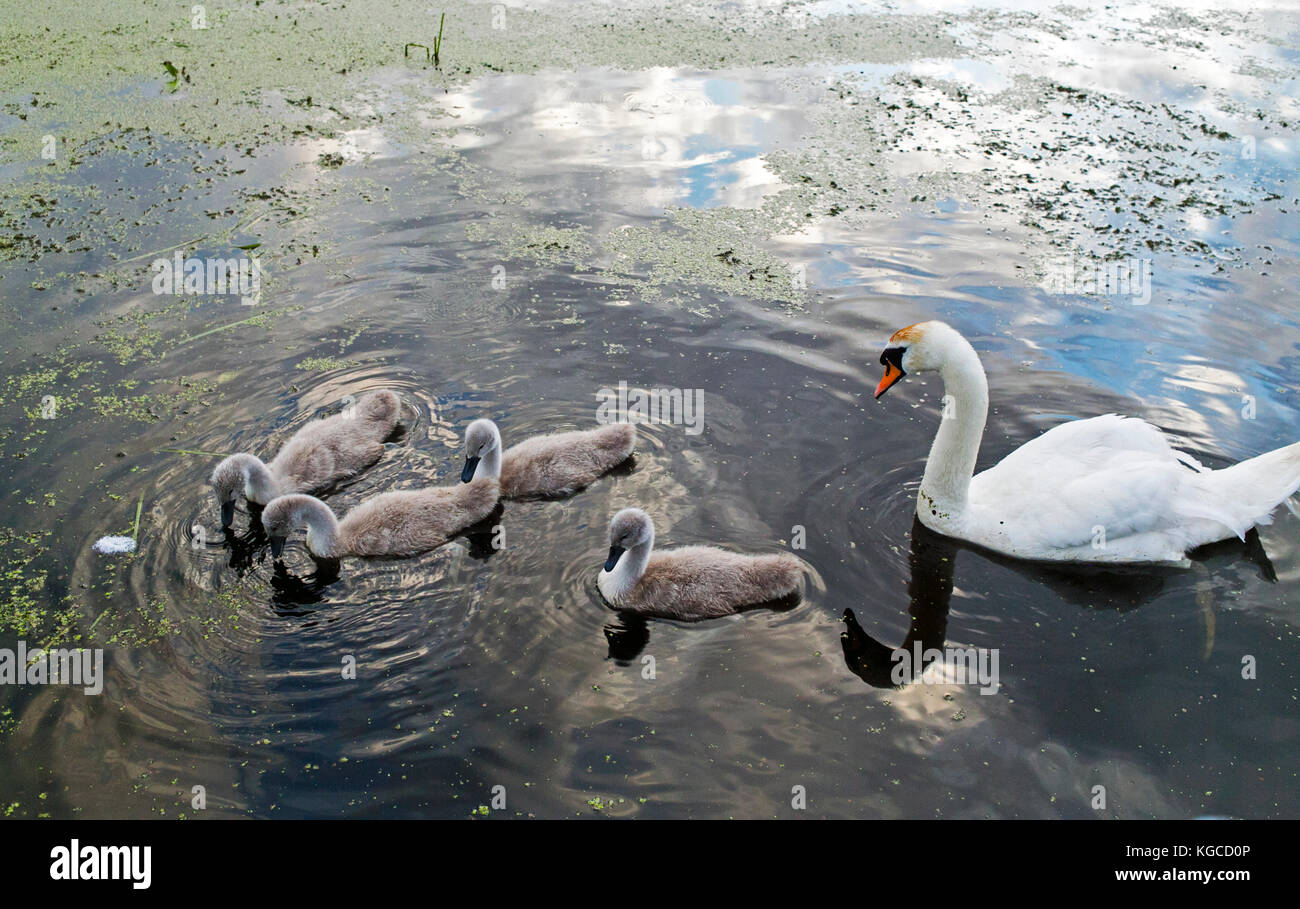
{"x":690,"y":583}
{"x":316,"y":457}
{"x":1107,"y":489}
{"x":550,"y":465}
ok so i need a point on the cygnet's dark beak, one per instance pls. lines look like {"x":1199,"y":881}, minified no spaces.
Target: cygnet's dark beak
{"x":227,"y":513}
{"x":614,"y":553}
{"x":471,"y":464}
{"x":277,"y":546}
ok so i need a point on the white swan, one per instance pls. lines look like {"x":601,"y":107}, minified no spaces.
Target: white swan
{"x":315,"y":458}
{"x":690,"y":583}
{"x":1106,"y":489}
{"x":550,"y":465}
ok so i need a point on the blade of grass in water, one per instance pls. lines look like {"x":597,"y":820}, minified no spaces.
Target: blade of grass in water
{"x":139,"y":506}
{"x":96,"y":622}
{"x":210,"y":331}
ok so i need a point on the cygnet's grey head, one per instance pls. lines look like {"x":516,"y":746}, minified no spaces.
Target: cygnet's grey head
{"x":228,"y":482}
{"x":480,"y":438}
{"x":629,"y":528}
{"x":280,"y":518}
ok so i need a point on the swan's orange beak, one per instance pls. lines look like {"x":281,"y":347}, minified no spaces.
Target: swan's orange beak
{"x":891,"y":377}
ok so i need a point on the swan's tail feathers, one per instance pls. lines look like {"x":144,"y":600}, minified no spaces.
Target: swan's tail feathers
{"x":619,"y":439}
{"x":799,"y":570}
{"x":783,"y":576}
{"x":1248,"y":493}
{"x":383,"y":407}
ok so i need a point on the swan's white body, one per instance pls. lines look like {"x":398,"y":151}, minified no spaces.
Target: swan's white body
{"x":1108,"y":489}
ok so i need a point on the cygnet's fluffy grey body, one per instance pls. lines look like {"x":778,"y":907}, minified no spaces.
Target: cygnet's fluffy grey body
{"x":546,"y":466}
{"x":322,"y":453}
{"x":396,"y":524}
{"x":691,"y":583}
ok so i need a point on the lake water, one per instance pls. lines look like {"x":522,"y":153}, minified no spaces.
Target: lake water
{"x":564,"y":231}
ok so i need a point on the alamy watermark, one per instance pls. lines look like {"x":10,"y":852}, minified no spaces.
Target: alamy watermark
{"x":77,"y":667}
{"x":678,"y":406}
{"x":75,"y":862}
{"x":209,"y":275}
{"x":956,"y":665}
{"x":1119,"y":278}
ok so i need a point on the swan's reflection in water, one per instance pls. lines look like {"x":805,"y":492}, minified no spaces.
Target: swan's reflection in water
{"x":248,"y":548}
{"x":932,"y":558}
{"x":293,"y":595}
{"x":929,"y":591}
{"x":629,"y":633}
{"x":627,"y":636}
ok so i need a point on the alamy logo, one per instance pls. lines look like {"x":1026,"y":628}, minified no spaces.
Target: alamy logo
{"x":679,"y":406}
{"x":951,"y":666}
{"x":75,"y":862}
{"x":1121,"y":278}
{"x":200,"y":276}
{"x":80,"y":667}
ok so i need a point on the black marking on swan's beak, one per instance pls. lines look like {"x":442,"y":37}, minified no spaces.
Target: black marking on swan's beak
{"x":614,"y":553}
{"x":277,"y":546}
{"x":227,"y":513}
{"x":892,"y":360}
{"x":471,"y":465}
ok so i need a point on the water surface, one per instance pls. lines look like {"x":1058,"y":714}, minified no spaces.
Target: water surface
{"x":484,"y":275}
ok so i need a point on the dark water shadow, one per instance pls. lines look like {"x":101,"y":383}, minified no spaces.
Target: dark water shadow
{"x":932,"y":559}
{"x":481,"y":538}
{"x":246,"y":549}
{"x":629,"y":633}
{"x":1251,"y":550}
{"x":929,"y":592}
{"x":293,"y":597}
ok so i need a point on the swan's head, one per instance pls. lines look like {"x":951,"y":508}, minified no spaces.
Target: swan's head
{"x":228,"y":480}
{"x":628,"y":529}
{"x":481,"y":437}
{"x":280,"y":518}
{"x":916,"y":348}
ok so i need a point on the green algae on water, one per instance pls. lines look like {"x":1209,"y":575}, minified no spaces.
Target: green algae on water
{"x":324,"y":364}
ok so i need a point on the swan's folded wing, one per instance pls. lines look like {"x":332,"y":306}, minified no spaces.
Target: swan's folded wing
{"x":326,"y":451}
{"x":1091,"y":441}
{"x":1087,"y":481}
{"x":703,"y":582}
{"x":413,"y":520}
{"x":559,"y":463}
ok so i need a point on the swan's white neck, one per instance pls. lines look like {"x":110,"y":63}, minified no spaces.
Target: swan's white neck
{"x":629,"y":569}
{"x":322,"y":528}
{"x":489,"y":464}
{"x":943,"y":496}
{"x":259,"y":485}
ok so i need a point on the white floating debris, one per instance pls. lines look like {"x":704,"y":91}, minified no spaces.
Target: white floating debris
{"x":112,"y":545}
